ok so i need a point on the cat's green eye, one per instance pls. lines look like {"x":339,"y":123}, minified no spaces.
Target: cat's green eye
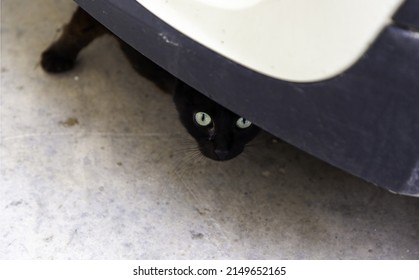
{"x":203,"y":119}
{"x":243,"y":123}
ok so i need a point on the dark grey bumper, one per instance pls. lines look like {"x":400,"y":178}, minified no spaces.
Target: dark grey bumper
{"x":364,"y":121}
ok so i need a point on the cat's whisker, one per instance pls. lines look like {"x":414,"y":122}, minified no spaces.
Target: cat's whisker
{"x":186,"y":149}
{"x":184,"y":154}
{"x":248,"y":154}
{"x":198,"y":157}
{"x":189,"y":157}
{"x":184,"y":173}
{"x":185,"y":144}
{"x":37,"y":65}
{"x":256,"y":142}
{"x":245,"y":155}
{"x":183,"y":138}
{"x":185,"y":160}
{"x":248,"y":147}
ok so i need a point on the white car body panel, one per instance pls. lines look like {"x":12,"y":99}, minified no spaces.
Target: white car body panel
{"x":292,"y":40}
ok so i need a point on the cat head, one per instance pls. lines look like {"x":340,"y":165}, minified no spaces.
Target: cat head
{"x":220,"y":134}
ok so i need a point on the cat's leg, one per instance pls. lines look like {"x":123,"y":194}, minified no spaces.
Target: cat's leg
{"x":78,"y":33}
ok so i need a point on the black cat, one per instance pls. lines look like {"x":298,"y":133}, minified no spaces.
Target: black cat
{"x":220,"y":133}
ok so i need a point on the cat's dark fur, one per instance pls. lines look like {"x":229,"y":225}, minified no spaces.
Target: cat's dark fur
{"x":220,"y":133}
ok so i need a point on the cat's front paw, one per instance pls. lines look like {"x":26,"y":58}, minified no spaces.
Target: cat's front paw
{"x":53,"y":61}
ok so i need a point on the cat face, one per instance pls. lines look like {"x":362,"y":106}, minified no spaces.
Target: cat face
{"x":220,"y":134}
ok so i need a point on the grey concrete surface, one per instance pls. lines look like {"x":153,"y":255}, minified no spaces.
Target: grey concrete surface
{"x":95,"y":165}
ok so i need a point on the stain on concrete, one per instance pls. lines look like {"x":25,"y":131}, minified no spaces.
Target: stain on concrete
{"x":70,"y":122}
{"x":196,"y":235}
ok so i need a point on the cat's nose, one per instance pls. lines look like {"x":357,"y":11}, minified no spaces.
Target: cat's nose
{"x":221,"y":154}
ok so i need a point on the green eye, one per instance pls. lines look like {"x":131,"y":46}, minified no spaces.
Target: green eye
{"x":203,"y":119}
{"x":243,"y":123}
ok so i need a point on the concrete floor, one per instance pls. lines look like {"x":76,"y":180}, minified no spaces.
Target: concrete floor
{"x":93,"y":167}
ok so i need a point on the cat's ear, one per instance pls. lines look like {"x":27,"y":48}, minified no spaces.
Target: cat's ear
{"x":182,"y":92}
{"x":178,"y":85}
{"x":181,"y":96}
{"x":182,"y":88}
{"x":189,"y":97}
